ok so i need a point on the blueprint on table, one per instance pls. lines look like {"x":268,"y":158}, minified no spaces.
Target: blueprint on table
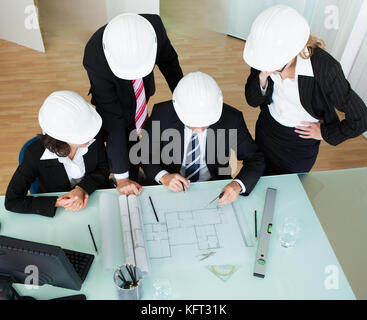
{"x":122,"y":232}
{"x":188,"y":229}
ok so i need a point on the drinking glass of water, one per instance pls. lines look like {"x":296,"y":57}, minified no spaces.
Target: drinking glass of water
{"x":289,"y":232}
{"x":163,"y":289}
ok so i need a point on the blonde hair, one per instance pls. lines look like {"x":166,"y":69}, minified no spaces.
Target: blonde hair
{"x":311,"y":44}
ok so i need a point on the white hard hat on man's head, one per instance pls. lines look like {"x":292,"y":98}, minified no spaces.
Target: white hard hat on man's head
{"x":130,"y":46}
{"x":67,"y":117}
{"x":198,"y":100}
{"x":277,"y":35}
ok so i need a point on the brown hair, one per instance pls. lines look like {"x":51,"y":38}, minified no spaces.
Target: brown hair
{"x":60,"y":148}
{"x":312,"y":43}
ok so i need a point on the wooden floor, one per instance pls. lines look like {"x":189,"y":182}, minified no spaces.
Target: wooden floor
{"x":28,"y":77}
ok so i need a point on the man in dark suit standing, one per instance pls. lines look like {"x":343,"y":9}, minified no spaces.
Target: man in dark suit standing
{"x":192,"y":137}
{"x":119,"y":59}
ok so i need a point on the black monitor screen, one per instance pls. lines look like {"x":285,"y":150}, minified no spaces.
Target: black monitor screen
{"x":19,"y":256}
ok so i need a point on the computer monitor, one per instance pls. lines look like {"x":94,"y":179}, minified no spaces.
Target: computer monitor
{"x":53,"y":266}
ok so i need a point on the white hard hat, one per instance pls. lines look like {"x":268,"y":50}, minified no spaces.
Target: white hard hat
{"x":130,"y":46}
{"x":67,"y":117}
{"x":198,"y":100}
{"x":277,"y":35}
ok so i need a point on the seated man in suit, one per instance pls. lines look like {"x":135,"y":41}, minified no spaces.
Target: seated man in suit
{"x":190,"y":139}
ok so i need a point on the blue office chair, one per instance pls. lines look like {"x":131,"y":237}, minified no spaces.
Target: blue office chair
{"x":35,"y":185}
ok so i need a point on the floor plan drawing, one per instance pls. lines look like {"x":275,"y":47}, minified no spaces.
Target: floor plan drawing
{"x":195,"y":228}
{"x":184,"y":236}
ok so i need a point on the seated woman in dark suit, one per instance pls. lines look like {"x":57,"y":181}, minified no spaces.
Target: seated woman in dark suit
{"x":67,"y":157}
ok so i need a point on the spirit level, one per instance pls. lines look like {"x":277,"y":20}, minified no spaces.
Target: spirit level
{"x":265,"y":232}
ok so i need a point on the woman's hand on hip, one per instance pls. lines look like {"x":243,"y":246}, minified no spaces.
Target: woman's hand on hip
{"x":309,"y":130}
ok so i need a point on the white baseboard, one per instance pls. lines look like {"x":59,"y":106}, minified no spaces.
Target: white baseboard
{"x":365,"y":134}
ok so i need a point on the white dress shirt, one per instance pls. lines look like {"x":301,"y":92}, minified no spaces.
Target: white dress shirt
{"x":119,"y":176}
{"x":286,"y":107}
{"x":75,"y":169}
{"x":204,"y":174}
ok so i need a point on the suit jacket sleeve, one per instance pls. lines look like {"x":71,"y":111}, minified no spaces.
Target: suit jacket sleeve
{"x":252,"y":158}
{"x":16,"y":198}
{"x":340,"y":95}
{"x":167,"y":59}
{"x":151,"y":169}
{"x":99,"y":177}
{"x":253,"y":92}
{"x":114,"y":123}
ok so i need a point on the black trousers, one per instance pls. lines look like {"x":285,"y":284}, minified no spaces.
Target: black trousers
{"x":284,"y":151}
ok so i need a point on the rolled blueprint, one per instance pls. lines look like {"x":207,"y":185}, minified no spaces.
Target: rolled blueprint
{"x":141,"y":257}
{"x":112,"y":249}
{"x":126,"y":230}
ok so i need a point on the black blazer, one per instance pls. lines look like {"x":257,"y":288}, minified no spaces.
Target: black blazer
{"x":53,"y":178}
{"x":231,"y":118}
{"x":320,"y":95}
{"x":115,"y":99}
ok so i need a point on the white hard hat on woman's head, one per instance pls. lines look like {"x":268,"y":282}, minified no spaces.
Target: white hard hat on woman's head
{"x":198,"y":100}
{"x":67,"y":117}
{"x":130,"y":46}
{"x":277,"y":35}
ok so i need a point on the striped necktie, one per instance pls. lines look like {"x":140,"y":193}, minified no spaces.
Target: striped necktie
{"x":141,"y":113}
{"x":192,"y":163}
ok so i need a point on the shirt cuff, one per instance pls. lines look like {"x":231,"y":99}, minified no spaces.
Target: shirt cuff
{"x":241,"y":184}
{"x":263,"y":91}
{"x":119,"y":176}
{"x":160,"y":175}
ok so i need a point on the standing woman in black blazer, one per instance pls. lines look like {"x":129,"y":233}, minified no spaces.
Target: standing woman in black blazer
{"x":66,"y":157}
{"x":297,"y":85}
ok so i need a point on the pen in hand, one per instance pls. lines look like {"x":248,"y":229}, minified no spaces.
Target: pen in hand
{"x":183,"y":186}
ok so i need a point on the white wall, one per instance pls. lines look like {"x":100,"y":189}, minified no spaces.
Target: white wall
{"x":336,"y":39}
{"x":244,"y":12}
{"x":203,"y":20}
{"x":115,"y":7}
{"x":81,"y":14}
{"x":355,"y":40}
{"x":354,"y":59}
{"x":358,"y":73}
{"x":19,"y":24}
{"x":62,"y":16}
{"x":75,"y":20}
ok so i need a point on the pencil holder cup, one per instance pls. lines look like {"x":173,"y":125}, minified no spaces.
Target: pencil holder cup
{"x":128,"y":292}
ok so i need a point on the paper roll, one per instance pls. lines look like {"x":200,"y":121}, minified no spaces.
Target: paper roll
{"x":112,"y":249}
{"x":126,"y":231}
{"x":122,"y":232}
{"x":141,"y":257}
